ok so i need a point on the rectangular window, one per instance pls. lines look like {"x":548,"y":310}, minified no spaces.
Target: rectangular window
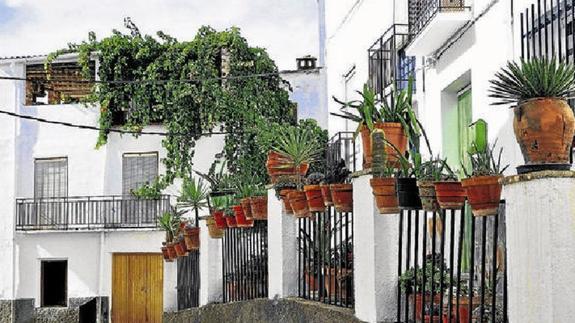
{"x":50,"y":177}
{"x":138,"y":169}
{"x":54,"y":281}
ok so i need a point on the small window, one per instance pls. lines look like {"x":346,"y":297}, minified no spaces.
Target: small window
{"x":138,"y":169}
{"x":50,"y":177}
{"x":54,"y":283}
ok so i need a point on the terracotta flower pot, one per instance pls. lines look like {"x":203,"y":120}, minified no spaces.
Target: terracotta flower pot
{"x":166,"y":254}
{"x":213,"y":231}
{"x":450,"y":195}
{"x":544,"y":129}
{"x":326,"y":194}
{"x":220,"y":219}
{"x":279,"y":165}
{"x":192,"y":238}
{"x":171,"y":250}
{"x":298,"y":202}
{"x":419,"y":302}
{"x":285,"y":199}
{"x":180,"y":247}
{"x":395,"y":134}
{"x":342,"y":196}
{"x":483,"y":194}
{"x":385,"y":193}
{"x":408,"y":194}
{"x":241,"y":220}
{"x":314,"y":198}
{"x":246,"y":206}
{"x":231,"y":221}
{"x":311,"y":282}
{"x":259,"y":205}
{"x":427,"y":195}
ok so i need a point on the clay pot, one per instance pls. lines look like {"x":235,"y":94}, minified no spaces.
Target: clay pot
{"x":314,"y":198}
{"x":166,"y":254}
{"x":544,"y":129}
{"x":171,"y":251}
{"x":231,"y":221}
{"x":311,"y":282}
{"x":450,"y":195}
{"x":427,"y":195}
{"x":180,"y":247}
{"x":241,"y":220}
{"x":336,"y":281}
{"x":326,"y":194}
{"x":279,"y":165}
{"x":246,"y":206}
{"x":192,"y":238}
{"x":220,"y":219}
{"x":384,"y":190}
{"x":342,"y":196}
{"x":298,"y":202}
{"x":419,"y":302}
{"x":395,"y":134}
{"x":259,"y":206}
{"x":483,"y":194}
{"x":213,"y":230}
{"x":408,"y":194}
{"x":285,"y":199}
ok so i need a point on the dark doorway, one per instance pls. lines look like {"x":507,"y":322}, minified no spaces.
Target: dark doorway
{"x":88,"y":312}
{"x":54,"y":282}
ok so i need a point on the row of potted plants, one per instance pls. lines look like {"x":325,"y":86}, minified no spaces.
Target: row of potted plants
{"x":181,"y":235}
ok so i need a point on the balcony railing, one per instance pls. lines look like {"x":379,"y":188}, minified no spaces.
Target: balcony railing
{"x":89,"y":213}
{"x":421,"y":12}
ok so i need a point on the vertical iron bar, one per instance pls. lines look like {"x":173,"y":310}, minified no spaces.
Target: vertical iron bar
{"x":407,"y":258}
{"x":399,"y":261}
{"x":483,"y":260}
{"x":494,"y":269}
{"x":459,"y":254}
{"x":433,"y":245}
{"x":472,"y":267}
{"x":442,"y":216}
{"x":523,"y":36}
{"x":539,"y":27}
{"x":424,"y":263}
{"x":451,"y":250}
{"x":559,"y":36}
{"x":416,"y":261}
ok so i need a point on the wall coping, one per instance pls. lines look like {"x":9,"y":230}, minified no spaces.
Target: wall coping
{"x":515,"y":179}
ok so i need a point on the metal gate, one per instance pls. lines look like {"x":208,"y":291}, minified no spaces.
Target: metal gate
{"x":189,"y":280}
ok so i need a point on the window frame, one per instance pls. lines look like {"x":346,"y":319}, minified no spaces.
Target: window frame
{"x":135,"y":155}
{"x":48,"y":159}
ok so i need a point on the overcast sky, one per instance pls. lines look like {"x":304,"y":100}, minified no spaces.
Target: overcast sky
{"x":287,"y":28}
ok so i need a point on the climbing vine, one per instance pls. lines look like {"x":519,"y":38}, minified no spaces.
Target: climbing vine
{"x":241,"y":106}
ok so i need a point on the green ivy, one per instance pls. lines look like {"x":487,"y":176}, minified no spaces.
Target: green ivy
{"x":239,"y":106}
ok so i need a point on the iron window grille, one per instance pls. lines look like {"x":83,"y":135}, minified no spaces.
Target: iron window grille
{"x":421,"y":12}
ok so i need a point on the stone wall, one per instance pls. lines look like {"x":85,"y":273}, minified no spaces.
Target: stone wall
{"x":285,"y":310}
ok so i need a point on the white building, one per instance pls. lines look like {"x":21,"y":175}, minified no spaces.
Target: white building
{"x":68,"y":224}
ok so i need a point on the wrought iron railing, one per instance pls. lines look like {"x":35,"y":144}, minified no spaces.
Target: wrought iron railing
{"x":421,"y":12}
{"x":325,"y":259}
{"x":465,"y":276}
{"x":245,"y":263}
{"x":341,"y":146}
{"x":89,"y":212}
{"x":387,"y":63}
{"x":189,"y":280}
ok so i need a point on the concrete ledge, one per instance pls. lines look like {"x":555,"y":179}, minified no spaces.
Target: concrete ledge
{"x":537,"y":175}
{"x":286,"y":310}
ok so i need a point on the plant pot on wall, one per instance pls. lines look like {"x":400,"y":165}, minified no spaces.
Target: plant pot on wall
{"x":342,"y":196}
{"x":395,"y":134}
{"x":544,"y":129}
{"x":219,"y":219}
{"x":408,"y":194}
{"x":450,"y":195}
{"x":241,"y":220}
{"x":314,"y":197}
{"x":171,"y":251}
{"x":427,"y":196}
{"x":246,"y":206}
{"x":192,"y":238}
{"x":259,"y":206}
{"x":285,"y":199}
{"x":483,"y":194}
{"x":385,"y":193}
{"x":213,"y":231}
{"x":280,"y":165}
{"x":166,"y":253}
{"x":326,"y":194}
{"x":298,"y":203}
{"x":231,"y":221}
{"x":180,"y":247}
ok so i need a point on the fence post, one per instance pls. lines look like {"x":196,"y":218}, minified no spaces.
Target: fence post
{"x":540,"y":230}
{"x":282,"y":250}
{"x":210,"y":267}
{"x":375,"y":256}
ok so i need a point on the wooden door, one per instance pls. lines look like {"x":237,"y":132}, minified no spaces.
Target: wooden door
{"x":137,"y":287}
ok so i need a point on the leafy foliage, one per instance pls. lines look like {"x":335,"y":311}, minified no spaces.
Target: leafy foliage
{"x":336,"y":173}
{"x":238,"y":105}
{"x":194,"y":194}
{"x":483,"y":162}
{"x":533,"y":78}
{"x":366,"y":108}
{"x":152,"y":191}
{"x":170,"y":222}
{"x":433,"y":273}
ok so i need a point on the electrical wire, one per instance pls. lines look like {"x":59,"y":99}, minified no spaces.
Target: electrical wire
{"x":121,"y":131}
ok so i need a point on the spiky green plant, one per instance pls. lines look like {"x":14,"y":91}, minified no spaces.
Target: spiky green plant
{"x":299,"y":146}
{"x":483,"y":163}
{"x":532,"y":78}
{"x":170,"y":222}
{"x":367,"y":109}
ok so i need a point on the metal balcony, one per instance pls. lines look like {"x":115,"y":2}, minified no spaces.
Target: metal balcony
{"x":89,"y":213}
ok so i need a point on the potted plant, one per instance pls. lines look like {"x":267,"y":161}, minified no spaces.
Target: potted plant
{"x":544,"y":124}
{"x":167,"y":254}
{"x":283,"y":186}
{"x":313,"y":193}
{"x":383,"y":183}
{"x":149,"y":191}
{"x":219,"y":205}
{"x":301,"y":148}
{"x":213,"y":231}
{"x":170,"y":223}
{"x":342,"y":196}
{"x":431,"y":171}
{"x":230,"y":217}
{"x":335,"y":173}
{"x":482,"y":184}
{"x":338,"y":272}
{"x":241,"y":220}
{"x":449,"y":191}
{"x":245,"y":191}
{"x":259,"y":204}
{"x":193,"y":195}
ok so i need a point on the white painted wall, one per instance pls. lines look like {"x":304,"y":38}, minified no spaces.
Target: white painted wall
{"x":308,"y":90}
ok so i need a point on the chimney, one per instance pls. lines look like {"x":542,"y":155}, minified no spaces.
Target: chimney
{"x":307,"y":62}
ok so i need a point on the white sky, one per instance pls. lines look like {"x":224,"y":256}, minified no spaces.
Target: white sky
{"x":286,"y":28}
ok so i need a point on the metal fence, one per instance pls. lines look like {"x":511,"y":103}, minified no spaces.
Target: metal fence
{"x":421,"y":12}
{"x":189,"y":280}
{"x":341,"y":146}
{"x":89,"y":212}
{"x":325,"y":258}
{"x":451,"y":267}
{"x":245,"y":262}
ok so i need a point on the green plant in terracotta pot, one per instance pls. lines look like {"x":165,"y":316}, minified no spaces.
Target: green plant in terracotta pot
{"x":483,"y":181}
{"x":431,"y":171}
{"x":170,"y":222}
{"x":194,"y":196}
{"x":544,"y":124}
{"x":384,"y":182}
{"x":283,"y":186}
{"x":313,"y":192}
{"x":336,"y":173}
{"x":259,"y":203}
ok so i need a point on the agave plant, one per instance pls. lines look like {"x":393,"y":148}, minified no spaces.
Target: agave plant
{"x":532,"y":78}
{"x":299,"y":146}
{"x":194,"y":195}
{"x":170,"y":222}
{"x":483,"y":162}
{"x":366,"y":108}
{"x":219,"y":180}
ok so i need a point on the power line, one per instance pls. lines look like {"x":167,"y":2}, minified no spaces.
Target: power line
{"x":87,"y":127}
